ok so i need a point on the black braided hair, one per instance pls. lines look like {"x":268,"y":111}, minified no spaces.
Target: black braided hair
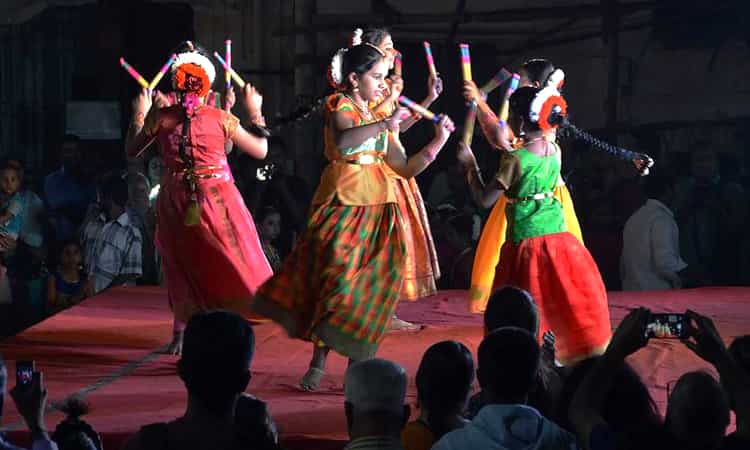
{"x":570,"y":129}
{"x":302,"y":112}
{"x":598,"y":144}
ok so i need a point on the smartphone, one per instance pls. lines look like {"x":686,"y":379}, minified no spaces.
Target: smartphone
{"x":667,"y":326}
{"x":24,"y":373}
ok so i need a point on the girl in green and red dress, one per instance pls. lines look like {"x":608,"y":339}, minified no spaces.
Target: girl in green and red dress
{"x":540,"y":255}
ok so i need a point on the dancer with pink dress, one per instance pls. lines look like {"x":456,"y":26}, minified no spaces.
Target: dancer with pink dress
{"x":211,"y":254}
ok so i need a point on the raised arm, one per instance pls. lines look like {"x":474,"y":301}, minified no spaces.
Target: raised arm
{"x":495,"y":134}
{"x":407,"y":167}
{"x":137,"y":139}
{"x":585,"y":411}
{"x":434,"y":89}
{"x":706,"y":342}
{"x":484,"y":194}
{"x":249,"y":143}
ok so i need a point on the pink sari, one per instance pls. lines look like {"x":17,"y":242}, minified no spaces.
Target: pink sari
{"x":218,"y":263}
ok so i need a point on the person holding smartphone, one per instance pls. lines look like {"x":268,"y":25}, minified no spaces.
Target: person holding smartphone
{"x":30,"y":398}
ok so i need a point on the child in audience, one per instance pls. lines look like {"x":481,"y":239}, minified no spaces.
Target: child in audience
{"x":68,"y":284}
{"x":269,"y":228}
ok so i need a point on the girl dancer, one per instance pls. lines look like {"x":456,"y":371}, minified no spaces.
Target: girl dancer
{"x":421,"y":269}
{"x":537,"y":73}
{"x":211,"y":254}
{"x":341,"y":283}
{"x":540,"y":255}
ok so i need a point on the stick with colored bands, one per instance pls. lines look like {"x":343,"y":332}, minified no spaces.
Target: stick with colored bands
{"x":134,"y":73}
{"x":465,"y":61}
{"x":430,"y":59}
{"x":419,"y":109}
{"x":237,"y":79}
{"x":162,"y":71}
{"x":499,"y":78}
{"x":398,"y":64}
{"x":471,"y":118}
{"x":503,"y":115}
{"x":228,"y":54}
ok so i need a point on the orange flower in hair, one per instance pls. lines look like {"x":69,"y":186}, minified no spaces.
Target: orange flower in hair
{"x":191,"y":78}
{"x":547,"y":110}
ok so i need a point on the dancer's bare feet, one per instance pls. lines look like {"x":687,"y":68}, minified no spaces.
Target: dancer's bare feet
{"x":402,"y":325}
{"x":311,"y":381}
{"x":175,"y":347}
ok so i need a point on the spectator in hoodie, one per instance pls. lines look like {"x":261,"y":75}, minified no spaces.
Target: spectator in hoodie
{"x":508,"y":364}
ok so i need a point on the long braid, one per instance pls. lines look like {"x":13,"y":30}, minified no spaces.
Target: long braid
{"x":558,"y":118}
{"x":301,"y":113}
{"x":598,"y":144}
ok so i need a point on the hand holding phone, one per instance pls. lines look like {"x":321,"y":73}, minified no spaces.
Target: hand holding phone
{"x":31,"y":400}
{"x":24,"y":374}
{"x":667,"y":326}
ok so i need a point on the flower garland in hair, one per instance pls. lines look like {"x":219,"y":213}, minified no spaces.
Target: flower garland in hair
{"x":193,"y":72}
{"x":335,"y":69}
{"x":191,"y":79}
{"x":546,"y":102}
{"x":556,"y":79}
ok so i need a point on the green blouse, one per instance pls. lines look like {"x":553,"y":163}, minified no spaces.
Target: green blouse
{"x":523,"y":175}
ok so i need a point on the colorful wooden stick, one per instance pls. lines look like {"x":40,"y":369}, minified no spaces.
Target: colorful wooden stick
{"x":161,"y":73}
{"x":499,"y":78}
{"x":419,"y":109}
{"x":398,"y":64}
{"x":465,"y":61}
{"x":471,"y":118}
{"x":228,"y":54}
{"x":237,"y":79}
{"x":505,"y":105}
{"x":430,"y":59}
{"x":134,"y":73}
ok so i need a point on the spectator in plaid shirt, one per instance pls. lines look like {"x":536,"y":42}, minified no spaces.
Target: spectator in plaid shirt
{"x":110,"y":239}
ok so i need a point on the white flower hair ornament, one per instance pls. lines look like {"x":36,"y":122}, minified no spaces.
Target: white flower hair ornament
{"x":197,"y":59}
{"x":556,"y":79}
{"x":335,"y":70}
{"x":547,"y":102}
{"x":356,"y":37}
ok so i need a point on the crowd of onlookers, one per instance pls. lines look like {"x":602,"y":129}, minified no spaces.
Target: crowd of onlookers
{"x":79,"y":230}
{"x":513,"y":396}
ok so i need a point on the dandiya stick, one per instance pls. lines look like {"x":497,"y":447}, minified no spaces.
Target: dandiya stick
{"x":162,"y":71}
{"x":471,"y":118}
{"x":430,"y":59}
{"x":419,"y":109}
{"x":134,"y":73}
{"x":505,"y":105}
{"x":228,"y":55}
{"x":398,"y":64}
{"x":237,"y":79}
{"x":465,"y":61}
{"x":500,"y":77}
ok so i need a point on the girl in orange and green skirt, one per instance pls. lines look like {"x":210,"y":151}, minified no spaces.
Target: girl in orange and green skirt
{"x":340,"y":286}
{"x":540,"y":255}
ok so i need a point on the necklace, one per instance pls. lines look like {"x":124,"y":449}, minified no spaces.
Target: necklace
{"x":365,"y":114}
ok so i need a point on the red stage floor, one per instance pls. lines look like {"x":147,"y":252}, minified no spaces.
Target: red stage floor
{"x":107,"y":348}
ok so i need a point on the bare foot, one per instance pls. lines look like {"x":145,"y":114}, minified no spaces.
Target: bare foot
{"x":175,"y":347}
{"x":311,"y":381}
{"x":402,"y":325}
